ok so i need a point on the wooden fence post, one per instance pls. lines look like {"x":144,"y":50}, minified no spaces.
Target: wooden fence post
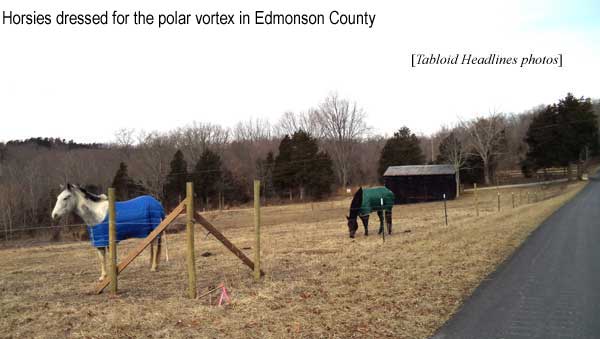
{"x":191,"y":257}
{"x":498,"y":201}
{"x":383,"y":211}
{"x":476,"y":201}
{"x":112,"y":240}
{"x":257,"y":230}
{"x":520,"y":199}
{"x":445,"y":210}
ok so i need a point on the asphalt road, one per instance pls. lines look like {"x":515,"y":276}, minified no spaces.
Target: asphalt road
{"x":549,"y":288}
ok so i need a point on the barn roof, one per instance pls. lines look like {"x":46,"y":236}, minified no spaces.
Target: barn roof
{"x":396,"y":171}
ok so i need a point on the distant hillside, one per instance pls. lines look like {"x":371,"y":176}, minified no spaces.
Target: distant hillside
{"x":54,"y":143}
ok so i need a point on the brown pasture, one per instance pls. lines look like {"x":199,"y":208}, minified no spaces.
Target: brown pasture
{"x":318,"y":283}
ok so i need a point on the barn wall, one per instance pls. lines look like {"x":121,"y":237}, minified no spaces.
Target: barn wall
{"x":415,"y":188}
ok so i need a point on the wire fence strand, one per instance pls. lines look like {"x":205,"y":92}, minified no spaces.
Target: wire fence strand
{"x":315,"y":207}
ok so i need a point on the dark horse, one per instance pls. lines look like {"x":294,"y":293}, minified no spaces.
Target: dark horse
{"x":365,"y":201}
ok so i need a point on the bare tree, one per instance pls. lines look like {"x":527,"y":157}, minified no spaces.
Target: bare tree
{"x":253,"y":130}
{"x":430,"y":145}
{"x":343,"y":125}
{"x":487,"y":138}
{"x":365,"y":161}
{"x":453,"y":149}
{"x":308,"y":121}
{"x":125,"y":139}
{"x":152,"y":161}
{"x":194,"y":138}
{"x":8,"y":207}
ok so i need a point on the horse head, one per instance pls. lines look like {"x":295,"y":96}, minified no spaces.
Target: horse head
{"x":353,"y":213}
{"x":352,"y":226}
{"x":65,"y":202}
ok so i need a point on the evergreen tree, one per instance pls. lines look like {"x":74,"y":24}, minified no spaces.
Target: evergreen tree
{"x":300,"y":167}
{"x":544,"y":141}
{"x":208,"y":177}
{"x":304,"y":156}
{"x":402,"y":149}
{"x":472,"y":171}
{"x":121,"y":182}
{"x":3,"y":152}
{"x":282,"y":171}
{"x":264,"y":169}
{"x":233,"y":189}
{"x":582,"y":126}
{"x":561,"y":134}
{"x":322,"y":176}
{"x":176,"y":179}
{"x":125,"y":187}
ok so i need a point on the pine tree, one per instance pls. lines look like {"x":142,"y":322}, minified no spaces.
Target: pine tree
{"x":264,"y":170}
{"x":233,"y":189}
{"x":300,"y":167}
{"x":322,"y":177}
{"x":544,"y":141}
{"x":176,"y":179}
{"x":581,"y":124}
{"x":125,"y":187}
{"x":283,"y":172}
{"x":402,"y":149}
{"x":561,"y":134}
{"x":472,"y":171}
{"x":304,"y":154}
{"x":121,"y":183}
{"x":208,"y":177}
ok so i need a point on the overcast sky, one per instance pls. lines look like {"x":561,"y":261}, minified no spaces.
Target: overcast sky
{"x":84,"y":83}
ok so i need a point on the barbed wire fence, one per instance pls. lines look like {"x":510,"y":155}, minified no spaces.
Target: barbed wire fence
{"x":488,"y":202}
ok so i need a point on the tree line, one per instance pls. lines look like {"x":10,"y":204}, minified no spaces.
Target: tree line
{"x":304,"y":155}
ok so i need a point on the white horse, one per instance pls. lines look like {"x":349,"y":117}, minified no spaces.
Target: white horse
{"x":93,"y":209}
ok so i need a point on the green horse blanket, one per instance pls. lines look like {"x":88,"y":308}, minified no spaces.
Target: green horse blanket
{"x":372,"y":199}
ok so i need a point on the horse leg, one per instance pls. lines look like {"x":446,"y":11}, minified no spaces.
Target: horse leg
{"x":151,"y":254}
{"x":158,"y":248}
{"x":380,"y":215}
{"x":388,"y":221}
{"x":155,"y":254}
{"x":101,"y":251}
{"x":365,"y":221}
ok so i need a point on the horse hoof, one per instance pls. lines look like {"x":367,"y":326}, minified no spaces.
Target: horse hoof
{"x":153,"y":269}
{"x":102,"y":277}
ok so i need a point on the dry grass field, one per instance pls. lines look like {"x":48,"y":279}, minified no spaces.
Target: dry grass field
{"x":319,"y":283}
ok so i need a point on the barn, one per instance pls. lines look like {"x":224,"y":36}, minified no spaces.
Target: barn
{"x":420,"y":183}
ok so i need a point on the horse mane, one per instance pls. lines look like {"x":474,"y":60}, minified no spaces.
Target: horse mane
{"x":355,"y":204}
{"x":91,"y":196}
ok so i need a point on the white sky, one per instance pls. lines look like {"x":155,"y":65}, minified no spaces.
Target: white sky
{"x":83,"y":83}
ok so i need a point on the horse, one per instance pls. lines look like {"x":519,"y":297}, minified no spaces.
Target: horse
{"x":365,"y":201}
{"x":135,"y":218}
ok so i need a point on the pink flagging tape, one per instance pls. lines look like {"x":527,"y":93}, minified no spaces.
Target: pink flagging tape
{"x":224,"y":296}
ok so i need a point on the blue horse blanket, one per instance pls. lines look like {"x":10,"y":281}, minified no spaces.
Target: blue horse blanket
{"x":136,"y":218}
